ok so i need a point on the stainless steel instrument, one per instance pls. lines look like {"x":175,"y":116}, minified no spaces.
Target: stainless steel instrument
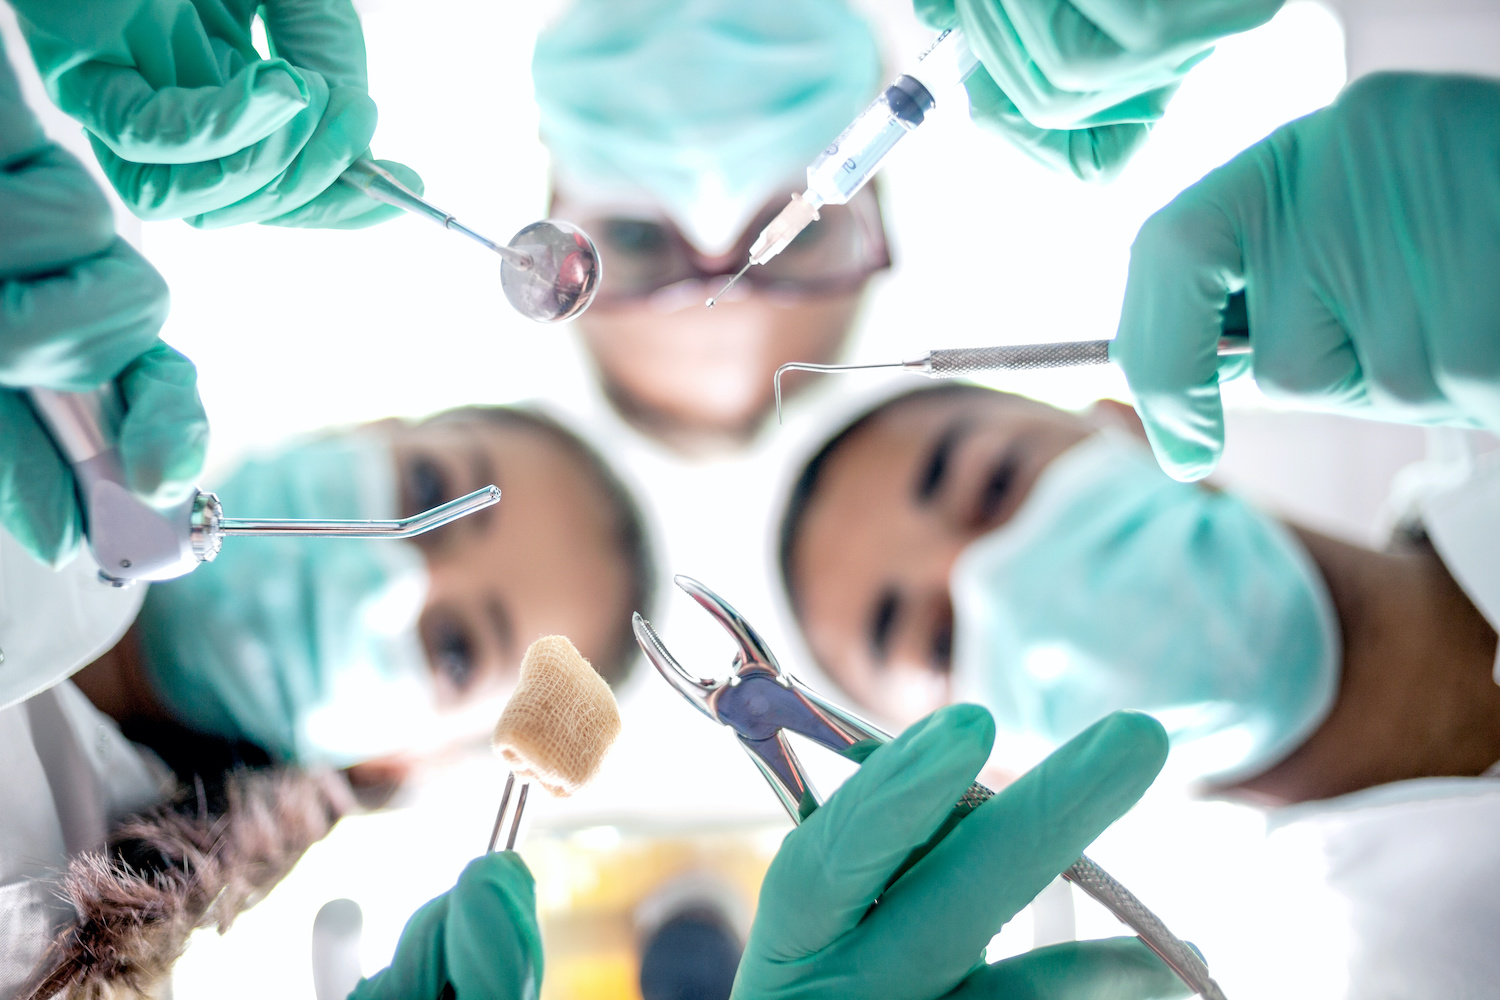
{"x":132,"y":540}
{"x":1234,"y":341}
{"x":760,"y":701}
{"x":549,"y":270}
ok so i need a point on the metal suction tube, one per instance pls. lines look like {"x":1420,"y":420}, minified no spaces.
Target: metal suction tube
{"x":132,"y":540}
{"x":406,"y":527}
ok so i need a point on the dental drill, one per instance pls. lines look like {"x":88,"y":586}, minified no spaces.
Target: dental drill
{"x":133,"y":540}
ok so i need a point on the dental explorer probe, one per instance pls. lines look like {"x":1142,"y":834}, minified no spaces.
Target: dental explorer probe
{"x":849,"y":162}
{"x":549,"y":270}
{"x":1234,"y":340}
{"x":133,"y":540}
{"x":959,"y":361}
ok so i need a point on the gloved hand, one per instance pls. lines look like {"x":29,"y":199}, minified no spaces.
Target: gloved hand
{"x":189,"y":122}
{"x":477,"y":941}
{"x":1365,"y":239}
{"x":78,"y":308}
{"x":818,"y":934}
{"x":1078,"y":84}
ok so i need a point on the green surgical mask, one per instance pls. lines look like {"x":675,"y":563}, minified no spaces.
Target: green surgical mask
{"x":307,"y":647}
{"x":706,"y":108}
{"x":1116,"y":587}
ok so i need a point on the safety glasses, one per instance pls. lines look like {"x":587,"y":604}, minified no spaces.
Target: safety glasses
{"x":641,"y":255}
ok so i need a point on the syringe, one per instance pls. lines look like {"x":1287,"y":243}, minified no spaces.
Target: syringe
{"x":853,"y":158}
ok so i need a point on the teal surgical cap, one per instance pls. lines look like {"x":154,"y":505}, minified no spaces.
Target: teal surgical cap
{"x":707,"y":107}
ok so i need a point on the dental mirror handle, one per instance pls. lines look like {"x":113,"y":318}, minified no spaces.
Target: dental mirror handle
{"x":129,"y":538}
{"x":379,"y":183}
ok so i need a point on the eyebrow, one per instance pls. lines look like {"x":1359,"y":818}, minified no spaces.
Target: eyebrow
{"x":934,"y":471}
{"x":883,"y":622}
{"x":501,"y":625}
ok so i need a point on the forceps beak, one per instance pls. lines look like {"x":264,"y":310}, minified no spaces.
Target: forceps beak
{"x":698,"y":691}
{"x":752,"y":648}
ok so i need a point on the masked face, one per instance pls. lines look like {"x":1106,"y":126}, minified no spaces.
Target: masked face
{"x":306,"y":647}
{"x":893,"y":506}
{"x":939,"y":479}
{"x":1117,"y":587}
{"x":341,"y":651}
{"x":700,"y":379}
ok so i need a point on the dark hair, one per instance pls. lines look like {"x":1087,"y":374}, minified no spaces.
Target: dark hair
{"x":807,"y":482}
{"x":198,"y":859}
{"x":632,"y":537}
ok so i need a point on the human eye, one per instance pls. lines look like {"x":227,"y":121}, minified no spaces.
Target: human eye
{"x":426,"y":484}
{"x":450,"y":652}
{"x":995,"y":491}
{"x":635,"y":236}
{"x":940,"y":644}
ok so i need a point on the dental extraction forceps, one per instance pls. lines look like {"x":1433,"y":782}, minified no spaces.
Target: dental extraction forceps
{"x":760,"y":701}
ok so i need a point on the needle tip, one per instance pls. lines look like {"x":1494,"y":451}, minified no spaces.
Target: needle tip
{"x":729,"y":284}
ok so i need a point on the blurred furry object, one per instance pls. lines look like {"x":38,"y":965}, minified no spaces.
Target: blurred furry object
{"x":198,"y":860}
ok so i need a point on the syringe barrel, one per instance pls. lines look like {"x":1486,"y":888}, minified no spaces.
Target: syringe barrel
{"x":853,"y":158}
{"x":947,"y":63}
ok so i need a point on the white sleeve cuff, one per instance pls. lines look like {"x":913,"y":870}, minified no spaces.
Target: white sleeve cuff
{"x":1463,"y":524}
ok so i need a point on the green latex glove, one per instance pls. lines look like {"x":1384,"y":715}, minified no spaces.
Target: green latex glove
{"x":477,"y":941}
{"x":189,"y":122}
{"x":1079,"y":84}
{"x":1366,"y":238}
{"x":819,"y":932}
{"x":78,"y":308}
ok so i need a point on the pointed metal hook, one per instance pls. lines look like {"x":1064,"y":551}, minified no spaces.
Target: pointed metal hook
{"x":807,"y":366}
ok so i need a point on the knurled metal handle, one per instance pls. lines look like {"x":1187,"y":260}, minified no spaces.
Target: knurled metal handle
{"x":958,"y":361}
{"x":1130,"y":911}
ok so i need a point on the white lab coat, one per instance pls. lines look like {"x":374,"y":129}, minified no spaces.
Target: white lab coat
{"x":1413,"y":867}
{"x":66,"y":773}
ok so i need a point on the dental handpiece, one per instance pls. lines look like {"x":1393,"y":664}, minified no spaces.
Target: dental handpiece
{"x":848,"y":163}
{"x":132,"y":540}
{"x":549,"y":270}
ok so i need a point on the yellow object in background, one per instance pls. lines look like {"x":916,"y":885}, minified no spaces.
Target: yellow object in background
{"x":602,"y":890}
